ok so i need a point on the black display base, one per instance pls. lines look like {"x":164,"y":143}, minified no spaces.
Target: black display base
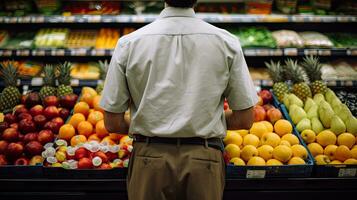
{"x":115,"y":189}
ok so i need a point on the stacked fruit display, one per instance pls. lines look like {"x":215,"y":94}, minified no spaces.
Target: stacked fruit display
{"x":269,"y":142}
{"x":107,"y":38}
{"x":51,"y":38}
{"x":81,"y":39}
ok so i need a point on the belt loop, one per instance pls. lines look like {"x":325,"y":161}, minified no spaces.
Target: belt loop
{"x":206,"y":143}
{"x":147,"y":140}
{"x":178,"y":142}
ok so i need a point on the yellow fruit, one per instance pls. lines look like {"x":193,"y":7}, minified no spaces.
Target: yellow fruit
{"x":326,"y":137}
{"x":56,"y":165}
{"x":248,"y":152}
{"x":233,"y":138}
{"x":258,"y":129}
{"x":322,"y":160}
{"x":343,"y":153}
{"x":299,"y":151}
{"x":256,"y":161}
{"x":251,"y":139}
{"x":273,"y":162}
{"x":268,"y":125}
{"x":89,"y":90}
{"x":330,"y":151}
{"x":282,"y":153}
{"x":282,"y":127}
{"x":335,"y":162}
{"x":271,"y":139}
{"x":354,"y":153}
{"x":350,"y":161}
{"x":266,"y":152}
{"x":237,"y":161}
{"x":346,"y":139}
{"x":291,"y":138}
{"x":296,"y":161}
{"x":308,"y":136}
{"x":242,"y":132}
{"x":60,"y":156}
{"x":284,"y":142}
{"x":315,"y":149}
{"x":232,"y":150}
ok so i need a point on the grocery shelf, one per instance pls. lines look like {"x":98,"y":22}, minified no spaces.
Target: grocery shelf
{"x":209,"y":17}
{"x":247,"y":52}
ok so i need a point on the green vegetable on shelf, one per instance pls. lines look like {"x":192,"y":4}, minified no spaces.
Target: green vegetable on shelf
{"x":255,"y":37}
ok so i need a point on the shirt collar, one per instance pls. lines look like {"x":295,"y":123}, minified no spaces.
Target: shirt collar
{"x":177,"y":12}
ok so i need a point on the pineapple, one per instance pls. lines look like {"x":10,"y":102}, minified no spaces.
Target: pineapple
{"x":64,"y":79}
{"x":280,"y":88}
{"x":11,"y":95}
{"x":299,"y":78}
{"x":103,"y":67}
{"x":313,"y":67}
{"x":49,"y":81}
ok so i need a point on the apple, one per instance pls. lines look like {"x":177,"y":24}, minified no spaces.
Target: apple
{"x":51,"y":112}
{"x":22,"y":161}
{"x":266,"y":96}
{"x":20,"y":109}
{"x":3,"y":160}
{"x":45,"y":136}
{"x":81,"y":152}
{"x":33,"y":148}
{"x":105,"y":166}
{"x":10,"y":118}
{"x":259,"y":113}
{"x":30,"y":137}
{"x":32,"y":99}
{"x":40,"y":121}
{"x":22,"y":116}
{"x":3,"y":146}
{"x":102,"y":155}
{"x":3,"y":125}
{"x":274,"y":115}
{"x":14,"y":150}
{"x":10,"y":135}
{"x":15,"y":126}
{"x":112,"y":156}
{"x":59,"y":121}
{"x":64,"y":113}
{"x":260,"y":101}
{"x":85,"y":163}
{"x":68,"y":101}
{"x":51,"y":101}
{"x":27,"y":126}
{"x":21,"y":137}
{"x":36,"y":160}
{"x":36,"y":110}
{"x":52,"y":126}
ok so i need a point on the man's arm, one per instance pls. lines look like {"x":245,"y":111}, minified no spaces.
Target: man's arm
{"x":115,"y":122}
{"x":239,"y":119}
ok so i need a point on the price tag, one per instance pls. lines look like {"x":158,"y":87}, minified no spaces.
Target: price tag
{"x":352,"y":52}
{"x":59,"y":52}
{"x":8,"y":53}
{"x":310,"y":52}
{"x":69,"y":19}
{"x":13,"y":20}
{"x":290,"y":52}
{"x":75,"y":82}
{"x":343,"y":19}
{"x":256,"y":173}
{"x":26,"y":19}
{"x":250,"y":52}
{"x":36,"y":81}
{"x":325,"y":52}
{"x":2,"y":19}
{"x":39,"y":52}
{"x":347,"y":172}
{"x":1,"y":52}
{"x":263,"y":52}
{"x":95,"y":19}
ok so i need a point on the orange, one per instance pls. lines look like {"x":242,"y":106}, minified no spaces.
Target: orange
{"x":88,"y":98}
{"x":81,"y":107}
{"x":94,"y":137}
{"x":76,"y":119}
{"x":89,"y":90}
{"x":66,"y":132}
{"x":85,"y":128}
{"x":96,"y":105}
{"x":108,"y":140}
{"x":115,"y":136}
{"x":283,"y":127}
{"x":77,"y":139}
{"x":94,"y":117}
{"x":100,"y":129}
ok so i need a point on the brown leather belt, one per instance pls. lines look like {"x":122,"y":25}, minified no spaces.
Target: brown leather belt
{"x":211,"y":142}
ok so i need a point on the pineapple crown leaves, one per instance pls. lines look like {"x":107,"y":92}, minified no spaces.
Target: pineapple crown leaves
{"x":275,"y":71}
{"x":312,"y":66}
{"x":103,"y":69}
{"x":295,"y":72}
{"x":9,"y":73}
{"x":50,"y":76}
{"x":64,"y":75}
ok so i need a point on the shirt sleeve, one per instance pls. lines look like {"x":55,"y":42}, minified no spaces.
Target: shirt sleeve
{"x":115,"y":95}
{"x":240,"y":92}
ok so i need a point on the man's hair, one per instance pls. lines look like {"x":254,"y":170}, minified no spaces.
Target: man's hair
{"x":181,"y":3}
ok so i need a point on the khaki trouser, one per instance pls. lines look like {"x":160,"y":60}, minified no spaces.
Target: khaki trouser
{"x":175,"y":172}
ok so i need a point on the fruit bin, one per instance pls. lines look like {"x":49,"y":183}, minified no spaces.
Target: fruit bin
{"x":325,"y":171}
{"x":283,"y":171}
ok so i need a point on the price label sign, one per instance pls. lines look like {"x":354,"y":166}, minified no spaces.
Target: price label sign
{"x":256,"y":174}
{"x":36,"y":81}
{"x":347,"y":172}
{"x":290,"y":52}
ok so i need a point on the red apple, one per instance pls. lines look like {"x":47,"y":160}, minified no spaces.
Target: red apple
{"x":259,"y":113}
{"x":52,"y":126}
{"x":36,"y":110}
{"x":21,"y":137}
{"x":10,"y":135}
{"x":64,"y":113}
{"x":274,"y":115}
{"x":14,"y":150}
{"x":20,"y":109}
{"x":105,"y":166}
{"x":59,"y":121}
{"x":23,"y":99}
{"x":30,"y":137}
{"x":81,"y":152}
{"x":3,"y":125}
{"x":266,"y":96}
{"x":22,"y":116}
{"x":51,"y":101}
{"x":40,"y":121}
{"x":111,"y":156}
{"x":33,"y":148}
{"x":3,"y":146}
{"x":10,"y":118}
{"x":102,"y":155}
{"x":27,"y":126}
{"x":68,"y":101}
{"x":3,"y":160}
{"x":32,"y":99}
{"x":85,"y":163}
{"x":22,"y":161}
{"x":45,"y":136}
{"x":15,"y":126}
{"x":51,"y":112}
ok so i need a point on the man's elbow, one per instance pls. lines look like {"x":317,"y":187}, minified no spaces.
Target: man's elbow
{"x":246,"y":124}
